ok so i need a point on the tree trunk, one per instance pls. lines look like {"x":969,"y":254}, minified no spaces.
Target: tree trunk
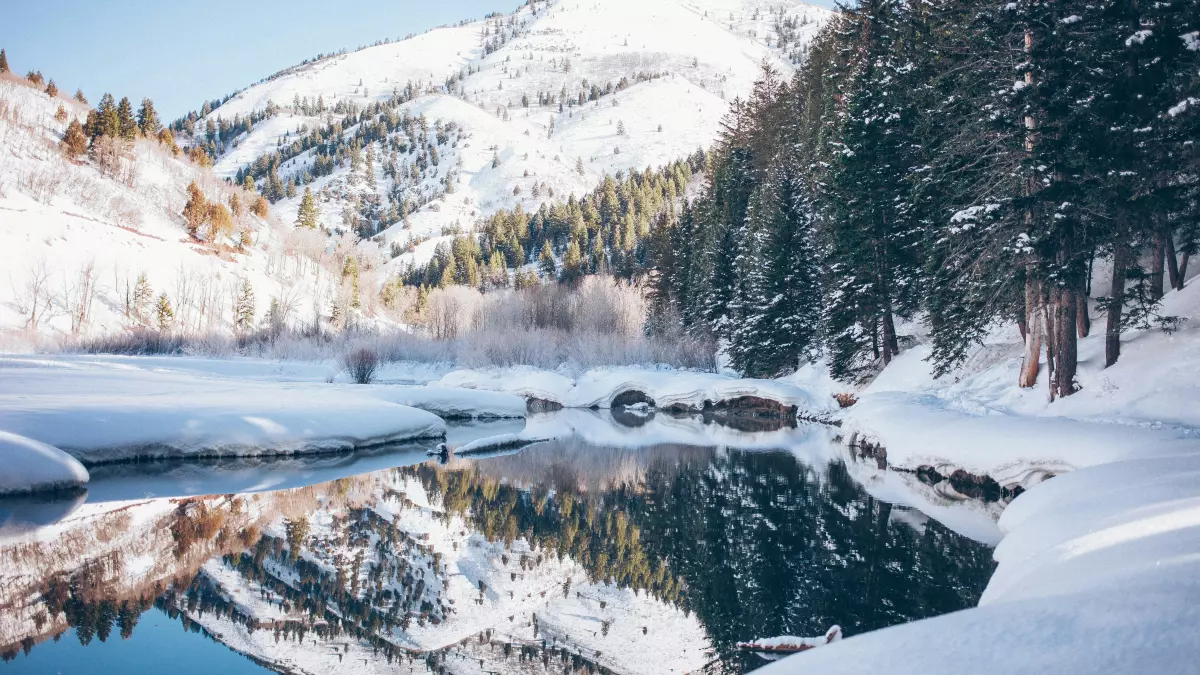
{"x":1031,"y":360}
{"x":1183,"y":263}
{"x":1156,"y":266}
{"x":1172,"y":263}
{"x":1049,"y":317}
{"x":1081,"y":311}
{"x":1116,"y":303}
{"x":891,"y":345}
{"x":1066,"y":345}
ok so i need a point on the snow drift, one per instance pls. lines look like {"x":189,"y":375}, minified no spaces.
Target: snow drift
{"x":32,"y":466}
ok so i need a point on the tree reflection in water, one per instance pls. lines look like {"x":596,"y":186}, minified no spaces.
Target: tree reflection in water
{"x":752,"y":543}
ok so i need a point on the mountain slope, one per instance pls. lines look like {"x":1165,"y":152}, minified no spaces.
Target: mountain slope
{"x":555,"y":95}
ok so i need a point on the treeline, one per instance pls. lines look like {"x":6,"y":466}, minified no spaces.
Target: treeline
{"x":602,"y":232}
{"x":960,"y":160}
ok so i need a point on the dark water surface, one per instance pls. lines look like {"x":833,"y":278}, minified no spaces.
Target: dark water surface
{"x":568,"y":556}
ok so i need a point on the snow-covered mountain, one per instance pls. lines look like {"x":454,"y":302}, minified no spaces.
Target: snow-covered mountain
{"x":520,"y":92}
{"x":511,"y":110}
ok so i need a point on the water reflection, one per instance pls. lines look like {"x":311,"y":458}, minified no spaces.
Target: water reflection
{"x":568,"y":556}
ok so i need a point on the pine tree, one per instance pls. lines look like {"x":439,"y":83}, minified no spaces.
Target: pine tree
{"x":546,"y":262}
{"x":3,"y":62}
{"x":105,"y":122}
{"x":126,"y":121}
{"x":243,"y":309}
{"x":142,"y":295}
{"x":80,"y":97}
{"x":751,"y":292}
{"x":572,"y":263}
{"x":147,"y":119}
{"x":51,"y":89}
{"x":308,"y":216}
{"x":164,"y":315}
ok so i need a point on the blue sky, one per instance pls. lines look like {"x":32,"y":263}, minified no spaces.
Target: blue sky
{"x":181,"y":54}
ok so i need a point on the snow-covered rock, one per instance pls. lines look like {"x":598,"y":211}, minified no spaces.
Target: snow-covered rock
{"x":32,"y":466}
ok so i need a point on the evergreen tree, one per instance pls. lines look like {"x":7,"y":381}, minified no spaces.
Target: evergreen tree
{"x":164,"y":314}
{"x":3,"y":63}
{"x":308,"y":215}
{"x":51,"y":89}
{"x":142,"y":295}
{"x":80,"y":97}
{"x":546,"y":262}
{"x":243,"y":308}
{"x":105,"y":122}
{"x":572,"y":263}
{"x":871,"y":266}
{"x":126,"y":121}
{"x":147,"y":119}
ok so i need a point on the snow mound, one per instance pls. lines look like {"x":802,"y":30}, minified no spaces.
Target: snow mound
{"x":32,"y":466}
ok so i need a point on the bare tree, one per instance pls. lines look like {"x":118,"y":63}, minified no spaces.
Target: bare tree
{"x":32,"y":297}
{"x":78,"y":294}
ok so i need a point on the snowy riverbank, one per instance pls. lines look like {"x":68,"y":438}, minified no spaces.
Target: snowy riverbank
{"x":1097,"y":567}
{"x":102,"y":412}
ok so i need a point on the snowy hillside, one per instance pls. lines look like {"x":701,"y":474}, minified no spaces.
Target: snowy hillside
{"x":76,"y":240}
{"x":447,"y":127}
{"x":543,"y":102}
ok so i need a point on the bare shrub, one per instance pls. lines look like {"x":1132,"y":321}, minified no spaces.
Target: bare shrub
{"x":43,"y":184}
{"x":78,"y":295}
{"x":597,"y":323}
{"x":452,"y":311}
{"x":32,"y":297}
{"x":137,"y":342}
{"x":361,"y":364}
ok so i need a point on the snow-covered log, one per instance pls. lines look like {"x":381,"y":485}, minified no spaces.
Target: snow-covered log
{"x":789,"y":644}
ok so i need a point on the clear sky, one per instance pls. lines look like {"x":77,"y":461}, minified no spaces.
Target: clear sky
{"x":183,"y":53}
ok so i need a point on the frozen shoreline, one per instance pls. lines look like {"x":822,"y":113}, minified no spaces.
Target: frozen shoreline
{"x":1097,"y":566}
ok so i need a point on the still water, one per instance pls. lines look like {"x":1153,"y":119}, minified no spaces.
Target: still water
{"x":574,"y":555}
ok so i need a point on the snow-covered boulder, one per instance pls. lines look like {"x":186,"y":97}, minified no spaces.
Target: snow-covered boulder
{"x":31,"y":466}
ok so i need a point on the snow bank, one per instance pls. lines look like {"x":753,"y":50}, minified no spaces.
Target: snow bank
{"x":110,"y":413}
{"x":32,"y":466}
{"x":1097,"y":568}
{"x":925,"y":430}
{"x":598,"y":388}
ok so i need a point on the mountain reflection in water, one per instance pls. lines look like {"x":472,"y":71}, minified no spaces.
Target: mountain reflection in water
{"x":564,"y":557}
